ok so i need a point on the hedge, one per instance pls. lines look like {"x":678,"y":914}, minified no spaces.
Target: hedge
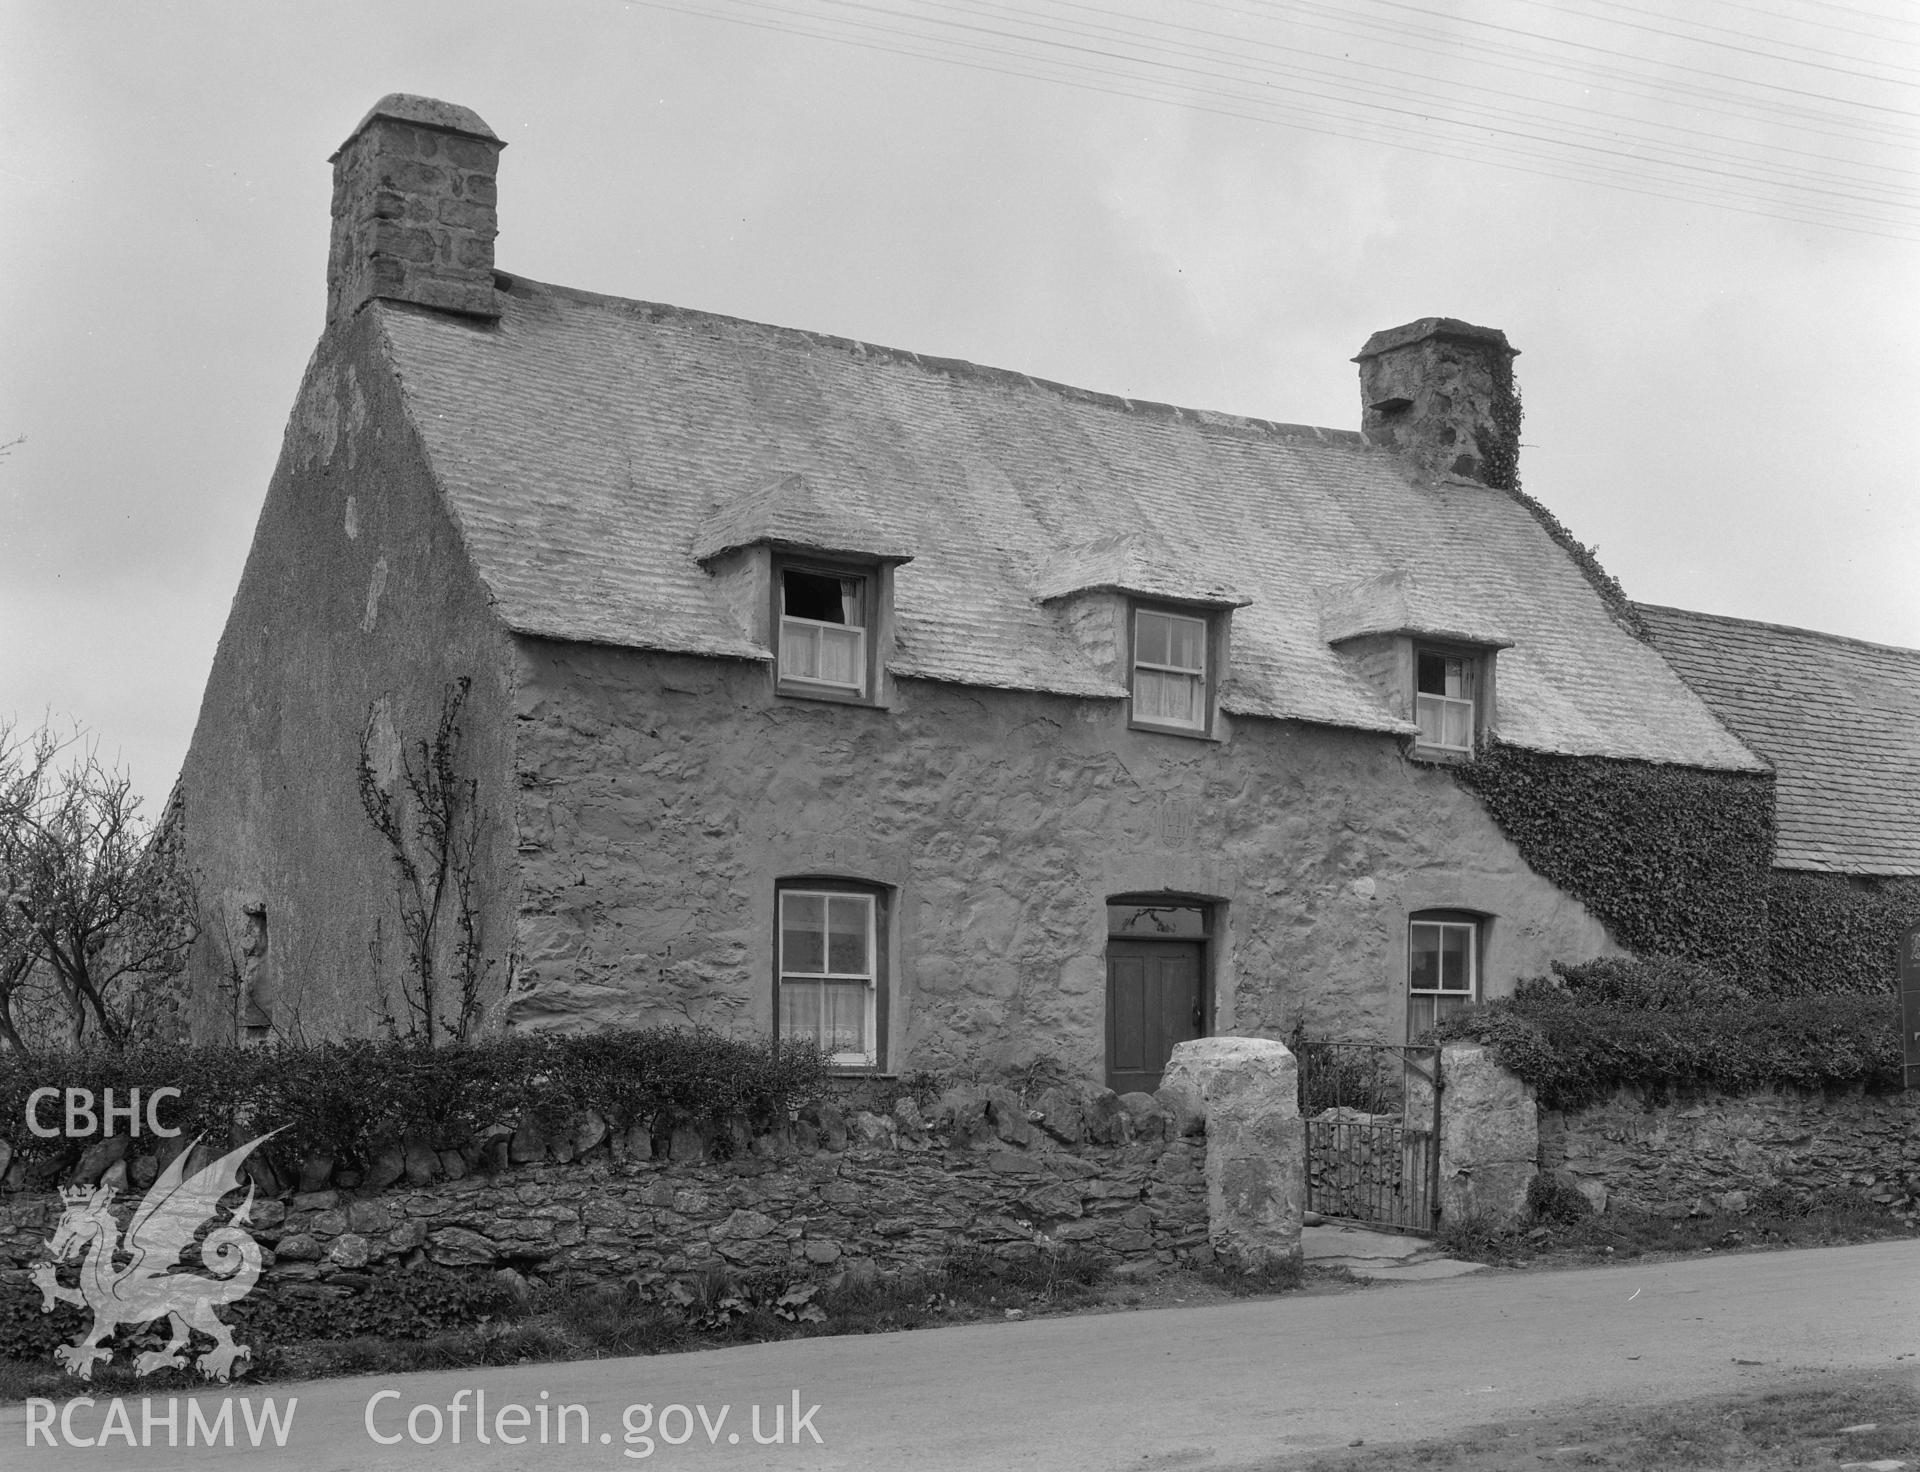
{"x":346,"y":1099}
{"x":1669,"y":1024}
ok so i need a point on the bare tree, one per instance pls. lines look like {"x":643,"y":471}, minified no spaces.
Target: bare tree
{"x":434,"y":873}
{"x":24,"y":764}
{"x":95,"y":906}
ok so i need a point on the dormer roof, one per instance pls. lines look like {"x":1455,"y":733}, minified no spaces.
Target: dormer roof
{"x":1137,"y":565}
{"x":1399,"y":602}
{"x":797,"y":511}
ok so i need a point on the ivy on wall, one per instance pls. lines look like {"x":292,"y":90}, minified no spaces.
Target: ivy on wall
{"x":1672,"y":860}
{"x":1828,"y":933}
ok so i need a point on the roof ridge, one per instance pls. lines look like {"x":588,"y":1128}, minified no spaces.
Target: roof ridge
{"x":1755,"y":623}
{"x":962,"y":367}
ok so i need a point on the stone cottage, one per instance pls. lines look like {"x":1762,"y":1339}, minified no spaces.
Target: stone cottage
{"x":947,"y":716}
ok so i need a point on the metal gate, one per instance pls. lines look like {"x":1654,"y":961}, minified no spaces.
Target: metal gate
{"x":1372,"y":1112}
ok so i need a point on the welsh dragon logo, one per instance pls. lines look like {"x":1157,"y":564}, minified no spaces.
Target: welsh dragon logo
{"x":146,"y":1287}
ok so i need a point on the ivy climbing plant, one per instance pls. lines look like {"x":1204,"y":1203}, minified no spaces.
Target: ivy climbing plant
{"x":1672,"y":860}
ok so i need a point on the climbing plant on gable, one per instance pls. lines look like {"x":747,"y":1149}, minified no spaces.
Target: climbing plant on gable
{"x":434,"y":849}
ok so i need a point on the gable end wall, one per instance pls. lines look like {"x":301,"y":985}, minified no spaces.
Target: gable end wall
{"x":357,"y":595}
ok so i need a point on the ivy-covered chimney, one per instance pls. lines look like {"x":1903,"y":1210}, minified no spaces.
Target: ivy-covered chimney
{"x":1440,"y":391}
{"x":413,"y":210}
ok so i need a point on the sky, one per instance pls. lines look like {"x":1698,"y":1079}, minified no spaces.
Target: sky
{"x":1697,"y":222}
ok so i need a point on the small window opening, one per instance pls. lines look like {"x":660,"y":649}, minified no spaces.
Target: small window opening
{"x":1445,"y":701}
{"x":823,"y":634}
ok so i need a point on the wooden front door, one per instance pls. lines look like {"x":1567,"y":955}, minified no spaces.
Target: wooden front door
{"x":1154,"y":1000}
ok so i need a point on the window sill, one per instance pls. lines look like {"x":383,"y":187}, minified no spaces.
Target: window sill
{"x":788,"y":690}
{"x":1158,"y":728}
{"x":1439,"y":756}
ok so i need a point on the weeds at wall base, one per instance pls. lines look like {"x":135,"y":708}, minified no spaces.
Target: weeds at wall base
{"x":1622,"y":1235}
{"x":563,"y":1321}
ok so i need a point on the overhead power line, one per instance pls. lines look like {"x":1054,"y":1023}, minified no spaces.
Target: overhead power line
{"x":1269,"y":79}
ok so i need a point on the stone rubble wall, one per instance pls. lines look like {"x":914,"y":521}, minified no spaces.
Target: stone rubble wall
{"x":832,"y":1193}
{"x":662,"y":798}
{"x":1710,"y":1151}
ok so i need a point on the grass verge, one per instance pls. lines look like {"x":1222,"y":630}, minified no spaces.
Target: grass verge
{"x":1556,"y":1233}
{"x":565,"y":1321}
{"x":1824,"y":1420}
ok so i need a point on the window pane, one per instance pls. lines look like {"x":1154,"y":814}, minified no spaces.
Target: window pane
{"x":1184,"y":696}
{"x":844,"y":1017}
{"x":1442,"y":674}
{"x":1429,"y":713}
{"x":1424,"y":1012}
{"x":1148,"y":701}
{"x":1158,"y":921}
{"x":800,"y":650}
{"x":820,"y":598}
{"x":1423,"y":958}
{"x":840,"y":656}
{"x":803,"y":924}
{"x":1459,"y":724}
{"x":801,"y":1007}
{"x":832,"y":1013}
{"x":851,"y":590}
{"x":1174,"y":699}
{"x":1189,"y":643}
{"x":1456,"y":942}
{"x":847,"y":934}
{"x":1150,"y":637}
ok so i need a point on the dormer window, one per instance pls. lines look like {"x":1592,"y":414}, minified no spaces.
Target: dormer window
{"x":824,"y":621}
{"x":1172,"y":679}
{"x":1444,"y":686}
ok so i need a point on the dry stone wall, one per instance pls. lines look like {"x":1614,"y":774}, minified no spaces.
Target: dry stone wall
{"x":1706,"y":1151}
{"x":834,"y":1192}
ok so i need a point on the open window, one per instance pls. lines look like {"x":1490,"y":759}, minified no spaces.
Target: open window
{"x":1445,"y":699}
{"x":1443,"y":966}
{"x":825,"y":618}
{"x":830,"y":969}
{"x":1172,"y":670}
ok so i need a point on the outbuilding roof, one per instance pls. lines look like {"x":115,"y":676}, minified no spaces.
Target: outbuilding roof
{"x":1838,"y":718}
{"x":591,"y":449}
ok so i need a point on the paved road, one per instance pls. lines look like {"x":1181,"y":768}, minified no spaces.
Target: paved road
{"x":1204,"y":1388}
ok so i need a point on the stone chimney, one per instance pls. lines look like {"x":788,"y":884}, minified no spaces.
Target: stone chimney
{"x":413,"y":210}
{"x":1440,"y":391}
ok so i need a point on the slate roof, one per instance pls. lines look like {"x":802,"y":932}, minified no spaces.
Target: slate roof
{"x":584,"y":443}
{"x":1838,"y":718}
